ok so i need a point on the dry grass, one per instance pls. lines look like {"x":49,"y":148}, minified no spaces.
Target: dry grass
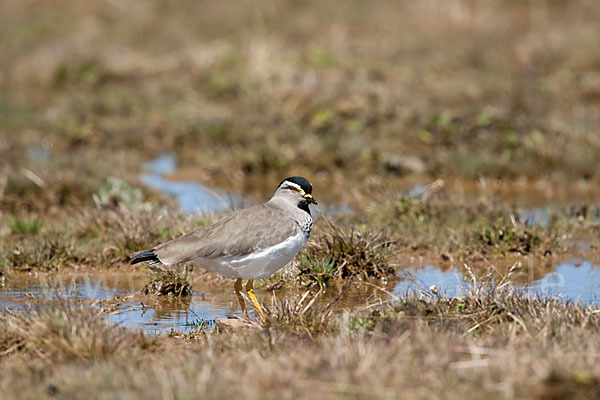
{"x":521,"y":348}
{"x":362,"y":98}
{"x":93,"y":237}
{"x":334,"y":253}
{"x":301,"y":314}
{"x":165,"y":282}
{"x":495,"y":90}
{"x":452,"y":88}
{"x":363,"y":245}
{"x":63,"y":334}
{"x":467,"y":229}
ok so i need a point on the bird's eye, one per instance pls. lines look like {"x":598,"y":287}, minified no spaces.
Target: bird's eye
{"x":293,"y":189}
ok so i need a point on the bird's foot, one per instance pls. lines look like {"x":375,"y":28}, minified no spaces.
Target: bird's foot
{"x":261,"y":313}
{"x":250,"y":292}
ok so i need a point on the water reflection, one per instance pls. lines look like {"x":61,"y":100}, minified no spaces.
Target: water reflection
{"x":575,"y":281}
{"x":570,"y":281}
{"x":450,"y":283}
{"x":165,"y":314}
{"x":537,"y":215}
{"x":119,"y":296}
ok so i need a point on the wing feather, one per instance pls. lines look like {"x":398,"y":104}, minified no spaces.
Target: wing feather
{"x":238,"y":234}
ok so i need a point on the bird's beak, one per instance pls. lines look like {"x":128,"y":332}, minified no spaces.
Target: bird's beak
{"x":310,"y":199}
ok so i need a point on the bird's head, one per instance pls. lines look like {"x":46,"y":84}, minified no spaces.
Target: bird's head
{"x":297,"y":190}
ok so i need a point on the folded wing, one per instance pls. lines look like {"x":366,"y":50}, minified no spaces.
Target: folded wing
{"x":240,"y":233}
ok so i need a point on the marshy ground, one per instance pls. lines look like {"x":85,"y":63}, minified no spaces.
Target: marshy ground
{"x":453,"y":147}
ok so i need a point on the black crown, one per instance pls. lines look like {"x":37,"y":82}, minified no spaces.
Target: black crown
{"x":300,"y":181}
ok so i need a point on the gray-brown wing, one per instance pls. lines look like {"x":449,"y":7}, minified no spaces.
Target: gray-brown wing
{"x":238,"y":234}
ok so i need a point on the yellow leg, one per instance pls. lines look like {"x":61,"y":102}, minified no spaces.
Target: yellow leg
{"x":238,"y":292}
{"x":250,"y":291}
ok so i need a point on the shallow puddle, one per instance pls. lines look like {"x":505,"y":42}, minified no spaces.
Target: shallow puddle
{"x":193,"y":197}
{"x":118,"y":295}
{"x":572,"y":280}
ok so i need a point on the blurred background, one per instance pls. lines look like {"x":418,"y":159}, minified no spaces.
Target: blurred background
{"x":360,"y":97}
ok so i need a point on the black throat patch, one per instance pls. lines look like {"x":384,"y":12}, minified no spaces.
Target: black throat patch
{"x":303,"y":205}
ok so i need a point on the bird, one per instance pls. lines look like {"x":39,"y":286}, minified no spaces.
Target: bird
{"x":250,"y":243}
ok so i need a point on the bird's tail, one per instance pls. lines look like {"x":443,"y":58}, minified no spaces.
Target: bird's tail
{"x":144,"y":255}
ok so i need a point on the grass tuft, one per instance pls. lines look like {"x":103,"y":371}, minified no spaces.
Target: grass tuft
{"x":25,"y":226}
{"x":59,"y":334}
{"x":302,"y":314}
{"x":167,"y":282}
{"x":42,"y":254}
{"x":340,"y":254}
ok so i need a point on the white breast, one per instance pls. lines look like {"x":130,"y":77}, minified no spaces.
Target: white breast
{"x":260,"y":264}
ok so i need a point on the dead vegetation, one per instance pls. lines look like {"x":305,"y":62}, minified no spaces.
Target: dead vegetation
{"x":335,"y":253}
{"x":66,"y":333}
{"x":167,"y":282}
{"x":301,"y":314}
{"x":320,"y":89}
{"x":363,"y":98}
{"x":362,"y":245}
{"x":92,"y":238}
{"x":466,"y":229}
{"x":487,"y":343}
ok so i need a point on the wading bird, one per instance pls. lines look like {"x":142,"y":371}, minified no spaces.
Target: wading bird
{"x":251,"y":243}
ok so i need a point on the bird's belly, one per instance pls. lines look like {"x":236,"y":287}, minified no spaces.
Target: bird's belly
{"x":259,"y":264}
